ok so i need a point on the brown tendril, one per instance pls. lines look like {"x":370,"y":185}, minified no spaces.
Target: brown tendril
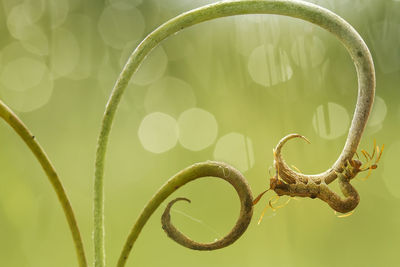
{"x":236,"y":179}
{"x":199,"y":170}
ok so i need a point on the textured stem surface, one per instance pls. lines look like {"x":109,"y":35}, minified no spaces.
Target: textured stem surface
{"x":297,"y":9}
{"x":198,"y":170}
{"x":30,"y":140}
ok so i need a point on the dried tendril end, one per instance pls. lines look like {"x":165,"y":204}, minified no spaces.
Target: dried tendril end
{"x":289,"y":175}
{"x":257,"y":199}
{"x":305,"y":139}
{"x":166,"y":217}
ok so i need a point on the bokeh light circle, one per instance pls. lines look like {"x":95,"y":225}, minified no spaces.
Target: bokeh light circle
{"x":17,"y":22}
{"x":330,"y":120}
{"x":235,"y":149}
{"x":119,"y":26}
{"x":22,"y":74}
{"x":33,"y":9}
{"x":158,"y":132}
{"x":64,"y":53}
{"x":269,"y":66}
{"x":198,"y":129}
{"x":56,"y":12}
{"x":35,"y":40}
{"x":24,"y":96}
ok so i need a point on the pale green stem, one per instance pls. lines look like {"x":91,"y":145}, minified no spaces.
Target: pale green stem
{"x":30,"y":140}
{"x":298,"y":9}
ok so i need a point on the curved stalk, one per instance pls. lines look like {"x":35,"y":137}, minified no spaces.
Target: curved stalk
{"x":297,"y":9}
{"x":198,"y":170}
{"x":30,"y":140}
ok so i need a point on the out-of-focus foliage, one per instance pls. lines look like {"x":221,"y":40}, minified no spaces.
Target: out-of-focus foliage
{"x":227,"y":90}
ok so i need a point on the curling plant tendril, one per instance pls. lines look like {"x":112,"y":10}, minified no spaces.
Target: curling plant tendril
{"x":285,"y":182}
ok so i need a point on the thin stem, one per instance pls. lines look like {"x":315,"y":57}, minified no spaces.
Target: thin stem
{"x":297,"y":9}
{"x":30,"y":140}
{"x":198,"y":170}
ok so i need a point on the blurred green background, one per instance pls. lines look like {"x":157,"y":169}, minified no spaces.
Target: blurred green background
{"x":227,"y":90}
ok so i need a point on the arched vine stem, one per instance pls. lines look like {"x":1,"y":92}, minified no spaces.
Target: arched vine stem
{"x":19,"y":127}
{"x":297,"y":9}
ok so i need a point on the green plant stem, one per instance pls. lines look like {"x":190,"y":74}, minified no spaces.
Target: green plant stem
{"x":297,"y":9}
{"x":30,"y":140}
{"x":198,"y":170}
